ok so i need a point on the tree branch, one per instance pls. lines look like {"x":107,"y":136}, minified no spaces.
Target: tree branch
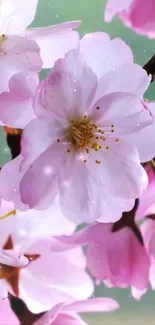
{"x":149,"y":67}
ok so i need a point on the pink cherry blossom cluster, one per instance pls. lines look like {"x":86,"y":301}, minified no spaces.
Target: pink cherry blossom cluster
{"x":83,"y":148}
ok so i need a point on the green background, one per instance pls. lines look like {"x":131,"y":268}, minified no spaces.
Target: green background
{"x":91,"y":13}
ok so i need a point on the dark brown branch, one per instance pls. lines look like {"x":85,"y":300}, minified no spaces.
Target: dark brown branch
{"x":13,"y":142}
{"x":149,"y":67}
{"x":128,"y":220}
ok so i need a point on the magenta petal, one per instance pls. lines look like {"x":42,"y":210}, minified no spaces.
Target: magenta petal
{"x":136,"y":14}
{"x":114,"y":8}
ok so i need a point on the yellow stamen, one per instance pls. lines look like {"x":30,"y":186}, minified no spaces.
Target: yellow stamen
{"x":11,"y":213}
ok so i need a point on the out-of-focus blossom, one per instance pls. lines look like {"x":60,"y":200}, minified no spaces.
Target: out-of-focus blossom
{"x":148,"y":231}
{"x":18,"y":48}
{"x":116,"y":257}
{"x":136,"y":14}
{"x":7,"y":316}
{"x":49,"y":278}
{"x":81,"y":137}
{"x":68,"y":313}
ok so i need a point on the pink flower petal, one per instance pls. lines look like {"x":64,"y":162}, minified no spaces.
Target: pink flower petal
{"x":17,"y":104}
{"x":3,"y":293}
{"x":42,"y":175}
{"x":51,"y":315}
{"x":66,"y":95}
{"x":15,"y":15}
{"x":61,"y":319}
{"x":18,"y":55}
{"x":109,"y":54}
{"x":111,"y":82}
{"x":9,"y":182}
{"x":93,"y":305}
{"x":117,"y":168}
{"x":145,"y":139}
{"x":114,"y":8}
{"x":147,"y":200}
{"x":7,"y":316}
{"x":81,"y":202}
{"x":55,"y":41}
{"x":126,"y":111}
{"x":136,"y":14}
{"x":39,"y":135}
{"x":56,"y":284}
{"x":12,"y":258}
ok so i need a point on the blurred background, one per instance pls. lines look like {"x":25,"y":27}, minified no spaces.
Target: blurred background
{"x":52,"y":12}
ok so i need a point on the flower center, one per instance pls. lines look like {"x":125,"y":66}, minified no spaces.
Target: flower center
{"x":81,"y":133}
{"x":84,"y":136}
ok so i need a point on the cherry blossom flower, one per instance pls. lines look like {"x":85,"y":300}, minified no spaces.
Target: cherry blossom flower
{"x":67,"y":313}
{"x":136,"y":14}
{"x":80,"y":135}
{"x":18,"y":47}
{"x":7,"y":316}
{"x":57,"y":277}
{"x":117,"y":264}
{"x":17,"y":110}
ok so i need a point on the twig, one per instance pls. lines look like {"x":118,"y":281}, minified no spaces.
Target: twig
{"x":149,"y":67}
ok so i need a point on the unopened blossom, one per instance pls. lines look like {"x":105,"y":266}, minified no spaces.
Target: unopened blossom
{"x":67,"y":314}
{"x":81,"y":137}
{"x":18,"y":47}
{"x":136,"y":14}
{"x":57,"y":277}
{"x":7,"y":316}
{"x":116,"y":257}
